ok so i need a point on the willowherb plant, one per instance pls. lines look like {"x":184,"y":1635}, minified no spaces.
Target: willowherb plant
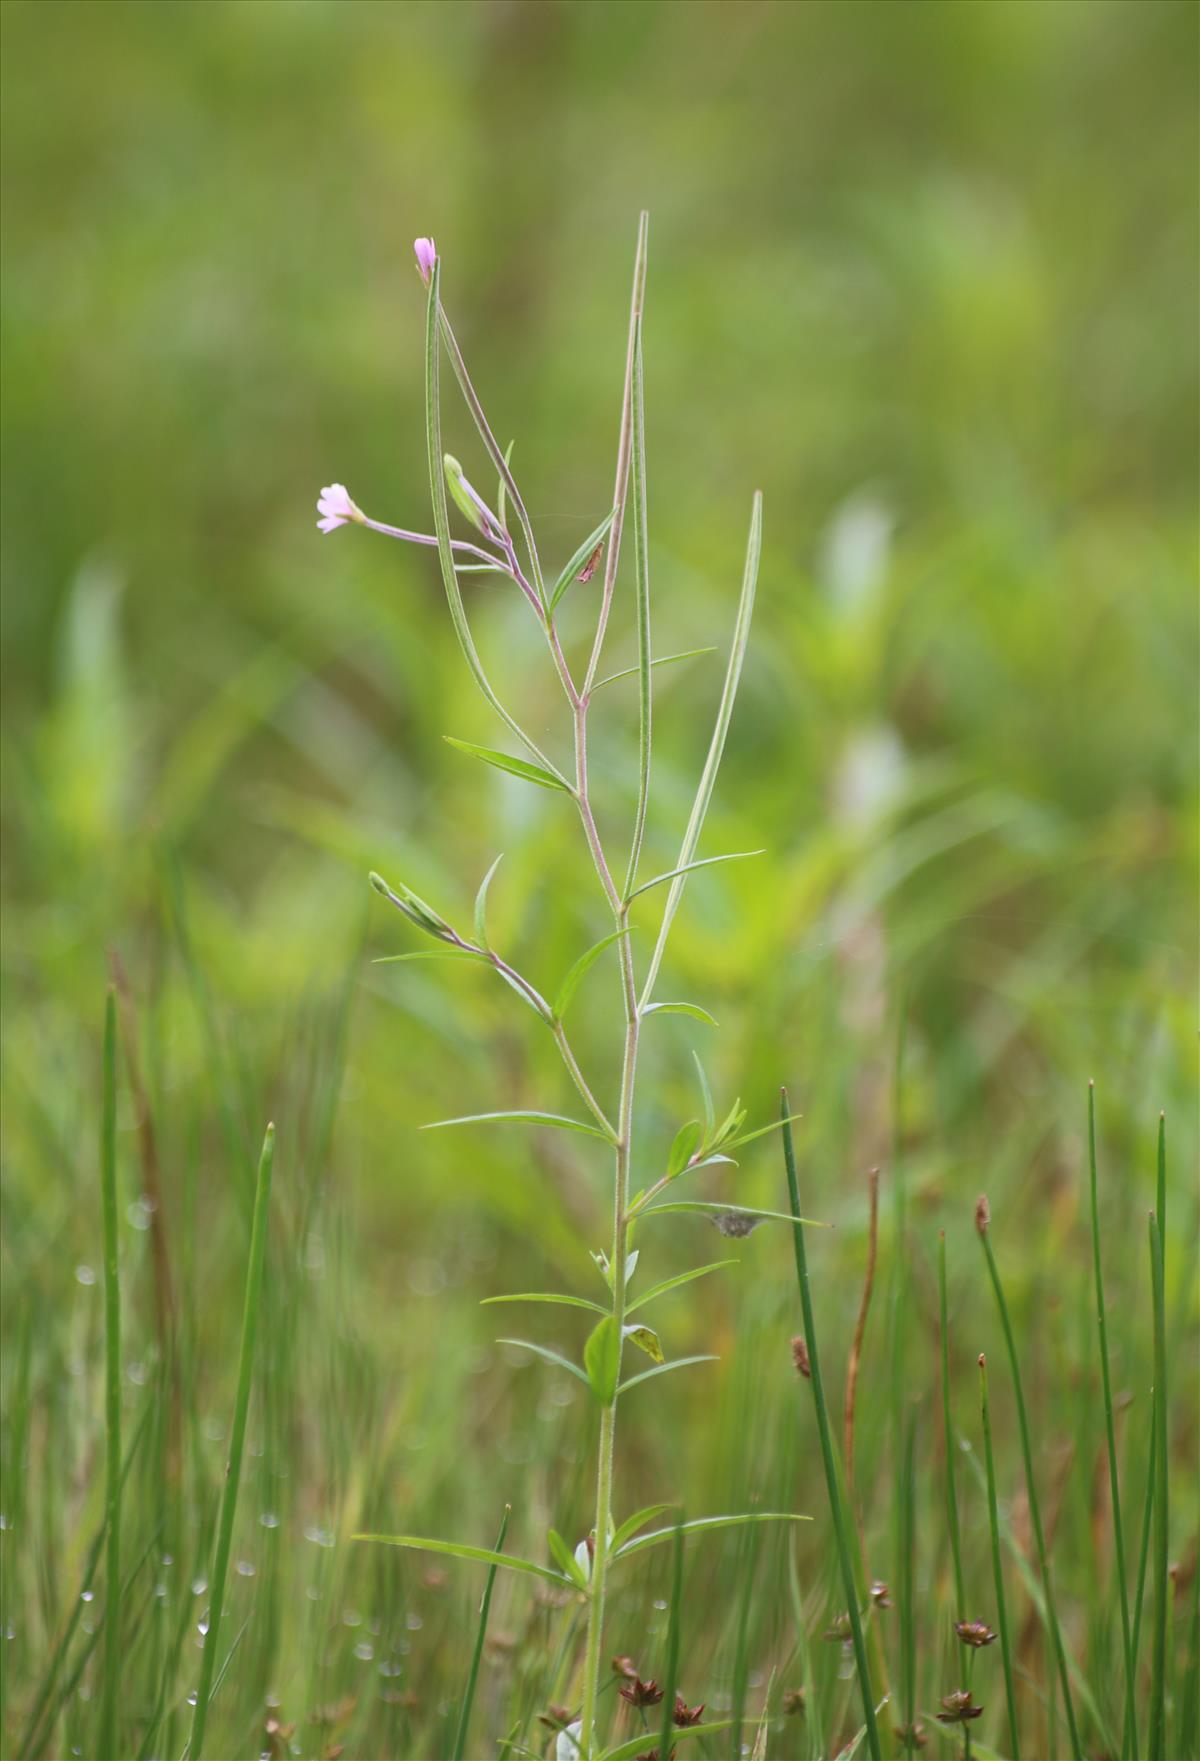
{"x":493,"y":547}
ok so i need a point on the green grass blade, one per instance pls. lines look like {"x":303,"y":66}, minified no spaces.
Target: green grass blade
{"x":948,"y":1436}
{"x":517,"y":767}
{"x":708,"y":777}
{"x":1161,"y":1586}
{"x":458,"y":1550}
{"x":629,"y":1751}
{"x":460,"y":1740}
{"x":624,"y":1531}
{"x":641,"y":558}
{"x":548,"y":1356}
{"x":112,"y":1384}
{"x":671,"y":1672}
{"x":1010,"y":1694}
{"x":575,"y":1302}
{"x":692,"y":1009}
{"x":840,"y":1525}
{"x":689,"y":868}
{"x":481,"y":935}
{"x":702,"y":1205}
{"x":677,"y":1363}
{"x":237,"y":1438}
{"x":1129,"y":1734}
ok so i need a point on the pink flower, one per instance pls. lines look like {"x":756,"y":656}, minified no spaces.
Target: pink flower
{"x":336,"y":508}
{"x":426,"y":252}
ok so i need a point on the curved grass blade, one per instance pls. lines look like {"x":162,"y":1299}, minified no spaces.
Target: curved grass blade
{"x":557,"y":1120}
{"x":671,"y":1673}
{"x":702,"y":1524}
{"x":573,"y":568}
{"x":688,"y":867}
{"x":574,"y":1302}
{"x":628,"y":672}
{"x":517,"y":767}
{"x":724,"y":1210}
{"x":457,"y":1550}
{"x":464,"y":1719}
{"x":428,"y":954}
{"x":1158,"y":1667}
{"x":502,"y":488}
{"x":833,"y":1487}
{"x":565,"y":1557}
{"x":548,"y":1356}
{"x":674,"y":1283}
{"x":582,"y":966}
{"x":237,"y":1438}
{"x":678,"y":1363}
{"x":1010,"y":1693}
{"x":735,"y":1143}
{"x":712,"y":763}
{"x":630,"y":1750}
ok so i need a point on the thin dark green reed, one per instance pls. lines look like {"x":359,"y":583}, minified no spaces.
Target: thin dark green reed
{"x":464,"y":1717}
{"x":1144,"y":1547}
{"x":112,"y":1384}
{"x":908,"y":1588}
{"x":671,"y":1673}
{"x":982,"y":1218}
{"x":1129,"y":1746}
{"x":960,"y":1596}
{"x":997,"y":1565}
{"x":1158,"y":1678}
{"x":845,"y":1560}
{"x":237,"y":1439}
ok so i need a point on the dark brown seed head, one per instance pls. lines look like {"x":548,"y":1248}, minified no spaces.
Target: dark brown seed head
{"x":640,"y":1693}
{"x":652,"y":1755}
{"x":557,"y":1717}
{"x":793,"y":1702}
{"x":625,"y":1666}
{"x":684,"y":1714}
{"x":838,"y":1630}
{"x":974,"y":1632}
{"x":800,"y":1356}
{"x":983,"y":1213}
{"x":910,"y":1737}
{"x":958,"y":1707}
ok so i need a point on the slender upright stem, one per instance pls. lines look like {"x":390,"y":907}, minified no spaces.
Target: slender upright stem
{"x":1010,"y":1692}
{"x":1158,"y":1684}
{"x":112,"y":1358}
{"x":1129,"y":1734}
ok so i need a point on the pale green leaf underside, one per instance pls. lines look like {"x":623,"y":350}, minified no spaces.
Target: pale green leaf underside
{"x":427,"y":954}
{"x":557,"y":1120}
{"x":632,"y":1524}
{"x":517,"y":767}
{"x":685,"y":1204}
{"x":485,"y":1555}
{"x":630,"y":1750}
{"x":692,"y":1009}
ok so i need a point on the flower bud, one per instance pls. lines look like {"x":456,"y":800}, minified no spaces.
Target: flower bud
{"x":426,"y":254}
{"x":467,"y":499}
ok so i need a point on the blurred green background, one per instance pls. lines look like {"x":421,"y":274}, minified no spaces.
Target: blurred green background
{"x":924,"y":273}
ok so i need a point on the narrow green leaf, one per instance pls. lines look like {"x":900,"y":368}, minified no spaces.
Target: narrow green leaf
{"x":565,"y":1557}
{"x":578,"y":560}
{"x":456,"y":1550}
{"x":712,"y":763}
{"x":735,"y":1143}
{"x":637,"y":479}
{"x":574,"y":1302}
{"x":428,"y":954}
{"x":704,"y":862}
{"x":112,"y":1403}
{"x":702,"y":1524}
{"x":661,"y":660}
{"x":724,"y":1210}
{"x":441,"y":516}
{"x":646,"y":1339}
{"x":481,"y":935}
{"x":677,"y":1363}
{"x":502,"y":488}
{"x":692,"y":1009}
{"x":674,"y":1283}
{"x":552,"y":1119}
{"x":412,"y":906}
{"x":582,"y":966}
{"x":624,"y":1531}
{"x":602,"y":1359}
{"x":517,"y":767}
{"x":629,"y":1751}
{"x":710,"y":1117}
{"x":464,"y":1717}
{"x":684,"y":1147}
{"x":547,"y":1355}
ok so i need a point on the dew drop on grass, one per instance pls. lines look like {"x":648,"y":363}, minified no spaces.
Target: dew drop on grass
{"x":199,"y":1585}
{"x":363,"y":1651}
{"x":269,"y":1520}
{"x":244,"y":1568}
{"x":192,"y":1698}
{"x":139,"y":1213}
{"x":318,"y":1536}
{"x":351,"y":1617}
{"x":414,"y":1623}
{"x":85,"y":1275}
{"x":87,"y":1595}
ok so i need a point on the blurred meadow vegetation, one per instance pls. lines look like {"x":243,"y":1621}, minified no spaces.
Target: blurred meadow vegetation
{"x":924,"y":273}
